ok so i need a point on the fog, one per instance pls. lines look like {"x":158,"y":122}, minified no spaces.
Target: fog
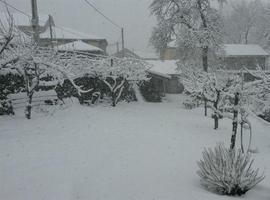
{"x":133,"y":15}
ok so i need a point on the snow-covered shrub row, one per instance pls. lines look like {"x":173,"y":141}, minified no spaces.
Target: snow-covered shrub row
{"x":228,"y":172}
{"x":48,"y":68}
{"x":6,"y":107}
{"x":257,"y":93}
{"x":41,"y":67}
{"x":9,"y":83}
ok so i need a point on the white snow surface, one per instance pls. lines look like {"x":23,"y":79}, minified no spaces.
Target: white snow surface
{"x":78,"y":46}
{"x":134,"y":151}
{"x":164,"y":67}
{"x":244,"y":50}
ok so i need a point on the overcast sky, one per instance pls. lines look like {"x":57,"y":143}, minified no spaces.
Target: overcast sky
{"x":133,"y":15}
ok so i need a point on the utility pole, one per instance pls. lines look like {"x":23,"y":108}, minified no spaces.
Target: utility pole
{"x":35,"y":20}
{"x":123,"y":42}
{"x":117,"y":47}
{"x":51,"y":32}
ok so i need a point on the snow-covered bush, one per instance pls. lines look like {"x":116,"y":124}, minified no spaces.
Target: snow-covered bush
{"x":6,"y":107}
{"x":117,"y":74}
{"x":228,"y":172}
{"x":150,"y":92}
{"x":9,"y":83}
{"x":257,"y":92}
{"x":265,"y":115}
{"x":190,"y":103}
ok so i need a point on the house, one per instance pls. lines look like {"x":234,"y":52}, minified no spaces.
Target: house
{"x":137,"y":54}
{"x":50,"y":34}
{"x":165,"y":76}
{"x":170,"y":52}
{"x":147,"y":55}
{"x":63,"y":35}
{"x":250,"y":56}
{"x":126,"y":53}
{"x":79,"y":46}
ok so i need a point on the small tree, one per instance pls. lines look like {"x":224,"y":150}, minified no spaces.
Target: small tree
{"x":214,"y":87}
{"x":116,"y":73}
{"x":247,"y":23}
{"x":34,"y":63}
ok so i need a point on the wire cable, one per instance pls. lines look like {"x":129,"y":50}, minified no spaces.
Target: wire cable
{"x":98,"y":11}
{"x":24,"y":13}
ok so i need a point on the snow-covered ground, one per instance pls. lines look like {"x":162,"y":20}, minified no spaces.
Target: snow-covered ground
{"x":136,"y":151}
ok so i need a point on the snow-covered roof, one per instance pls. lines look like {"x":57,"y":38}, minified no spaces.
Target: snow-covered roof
{"x":164,"y":68}
{"x":147,"y":55}
{"x":78,"y":46}
{"x":172,"y":44}
{"x":68,"y":33}
{"x":244,"y":50}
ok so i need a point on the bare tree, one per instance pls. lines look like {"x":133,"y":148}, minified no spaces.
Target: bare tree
{"x":117,"y":73}
{"x":195,"y":24}
{"x":7,"y":31}
{"x":248,"y":22}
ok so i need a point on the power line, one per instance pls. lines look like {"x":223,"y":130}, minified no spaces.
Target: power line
{"x":97,"y":10}
{"x":11,"y":6}
{"x":26,"y":14}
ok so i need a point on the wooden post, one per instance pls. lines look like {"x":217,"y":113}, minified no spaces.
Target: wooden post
{"x":235,"y":120}
{"x":123,"y":42}
{"x":51,"y":31}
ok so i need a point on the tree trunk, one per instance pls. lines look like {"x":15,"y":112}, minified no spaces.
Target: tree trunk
{"x":205,"y":68}
{"x":113,"y":99}
{"x":28,"y":108}
{"x":235,"y":121}
{"x":216,"y":123}
{"x":241,"y":130}
{"x":205,"y":107}
{"x":205,"y":58}
{"x":216,"y":115}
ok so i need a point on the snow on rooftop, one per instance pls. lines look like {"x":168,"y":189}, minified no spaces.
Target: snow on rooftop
{"x":68,"y":33}
{"x":172,"y":44}
{"x":79,"y":46}
{"x":164,"y":68}
{"x":147,"y":55}
{"x":244,"y":50}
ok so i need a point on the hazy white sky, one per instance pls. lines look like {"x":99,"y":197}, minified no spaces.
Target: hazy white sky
{"x":133,"y":15}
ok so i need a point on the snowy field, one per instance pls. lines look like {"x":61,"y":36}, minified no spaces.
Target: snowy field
{"x":136,"y":151}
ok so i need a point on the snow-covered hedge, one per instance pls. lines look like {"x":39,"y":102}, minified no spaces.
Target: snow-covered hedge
{"x":228,"y":172}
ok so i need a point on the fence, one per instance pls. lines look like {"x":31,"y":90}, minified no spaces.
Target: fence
{"x":20,"y":100}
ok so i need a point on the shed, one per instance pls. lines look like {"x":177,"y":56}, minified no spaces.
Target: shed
{"x":250,"y":56}
{"x":165,"y":76}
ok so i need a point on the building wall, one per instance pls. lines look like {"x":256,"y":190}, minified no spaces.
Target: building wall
{"x":169,"y":53}
{"x":249,"y":62}
{"x":174,"y":86}
{"x":165,"y":85}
